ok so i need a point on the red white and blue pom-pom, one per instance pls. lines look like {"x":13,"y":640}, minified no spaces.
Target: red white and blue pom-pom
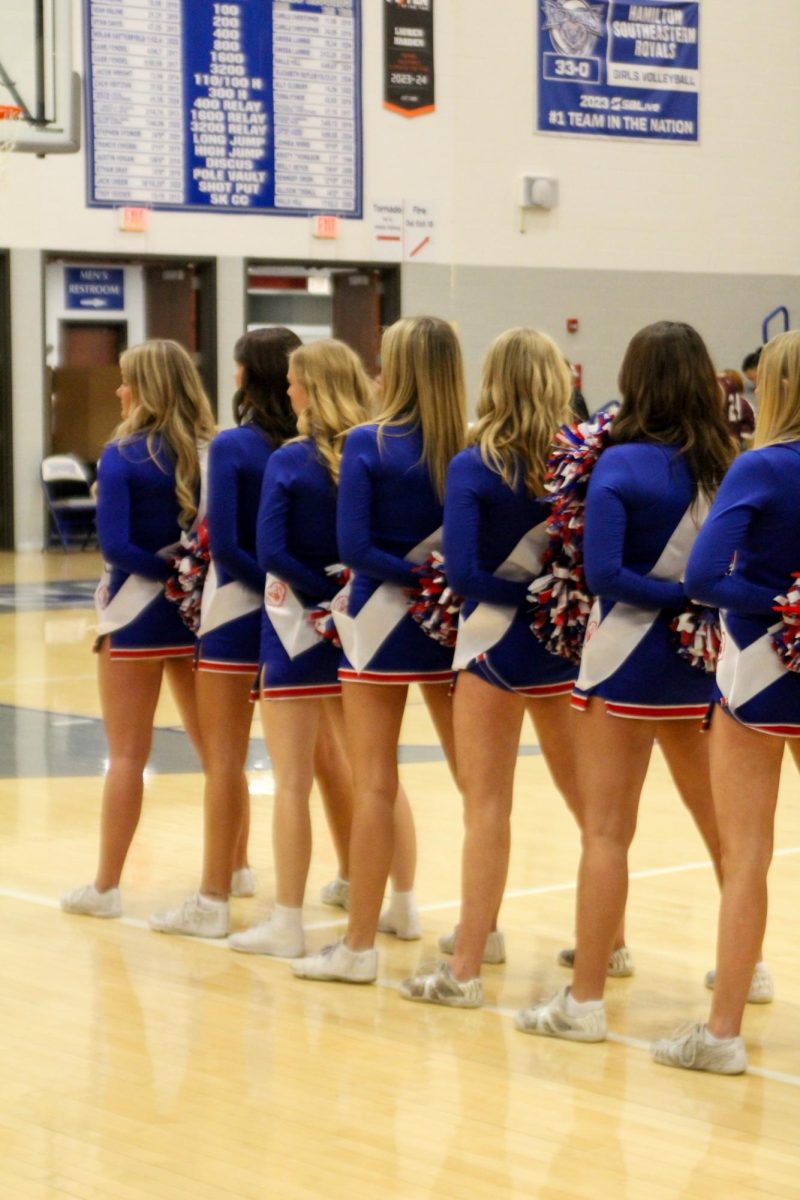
{"x":432,"y":603}
{"x":786,"y":640}
{"x":697,"y":636}
{"x":184,"y":586}
{"x":560,"y":601}
{"x":321,"y":616}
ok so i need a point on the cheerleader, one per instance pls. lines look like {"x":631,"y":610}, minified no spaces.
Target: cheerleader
{"x":148,"y":489}
{"x":389,"y":518}
{"x":753,"y":525}
{"x":647,"y":497}
{"x":494,"y":537}
{"x":298,"y":683}
{"x":229,"y":635}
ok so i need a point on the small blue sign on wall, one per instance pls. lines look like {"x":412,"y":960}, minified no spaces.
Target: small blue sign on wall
{"x":95,"y":289}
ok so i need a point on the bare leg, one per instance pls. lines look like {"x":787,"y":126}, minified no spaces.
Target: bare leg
{"x":373,"y":715}
{"x":745,"y":769}
{"x":290,"y":729}
{"x":335,"y":779}
{"x":613,"y":756}
{"x":557,"y":724}
{"x":488,"y":721}
{"x":439,"y":703}
{"x":685,"y":748}
{"x":335,"y":782}
{"x":181,"y":677}
{"x":404,"y":858}
{"x":225,"y":715}
{"x":241,"y":855}
{"x":128,"y":696}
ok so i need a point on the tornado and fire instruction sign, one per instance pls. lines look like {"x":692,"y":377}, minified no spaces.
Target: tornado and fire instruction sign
{"x":619,"y":70}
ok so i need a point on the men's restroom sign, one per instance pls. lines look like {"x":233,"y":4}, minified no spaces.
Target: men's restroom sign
{"x":94,"y":289}
{"x":619,"y":70}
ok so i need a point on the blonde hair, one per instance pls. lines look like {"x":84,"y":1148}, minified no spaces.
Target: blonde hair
{"x":422,"y":379}
{"x":340,"y":395}
{"x":778,"y":389}
{"x":525,"y":394}
{"x":171,"y":402}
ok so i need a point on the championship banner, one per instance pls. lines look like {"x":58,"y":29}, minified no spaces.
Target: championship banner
{"x":408,"y":84}
{"x":619,"y":70}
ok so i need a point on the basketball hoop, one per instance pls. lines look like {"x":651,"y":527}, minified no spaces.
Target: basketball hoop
{"x":8,"y":114}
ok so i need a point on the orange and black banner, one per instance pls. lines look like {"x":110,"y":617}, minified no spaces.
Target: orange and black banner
{"x":408,"y":86}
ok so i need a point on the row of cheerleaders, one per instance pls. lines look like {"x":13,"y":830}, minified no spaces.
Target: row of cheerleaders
{"x":559,"y":607}
{"x":587,"y":591}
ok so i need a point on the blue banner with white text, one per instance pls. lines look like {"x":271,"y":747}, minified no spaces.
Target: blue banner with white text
{"x":619,"y":70}
{"x":225,"y":105}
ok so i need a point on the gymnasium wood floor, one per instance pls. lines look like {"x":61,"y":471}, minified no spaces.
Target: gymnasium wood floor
{"x":140,"y":1066}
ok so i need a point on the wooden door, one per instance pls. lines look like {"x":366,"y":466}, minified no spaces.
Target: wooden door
{"x":92,"y":343}
{"x":357,"y":314}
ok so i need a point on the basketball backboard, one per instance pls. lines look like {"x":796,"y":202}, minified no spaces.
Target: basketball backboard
{"x":36,"y":76}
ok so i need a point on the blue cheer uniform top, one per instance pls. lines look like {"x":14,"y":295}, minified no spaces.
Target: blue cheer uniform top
{"x":230,"y":618}
{"x":494,"y":537}
{"x":137,"y":524}
{"x":641,"y":522}
{"x":743,"y":559}
{"x":388,"y":518}
{"x":296,"y":542}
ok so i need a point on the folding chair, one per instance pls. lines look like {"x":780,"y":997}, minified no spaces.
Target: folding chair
{"x":72,"y":507}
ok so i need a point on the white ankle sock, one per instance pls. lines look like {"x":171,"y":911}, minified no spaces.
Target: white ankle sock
{"x":710,"y":1039}
{"x":211,"y":901}
{"x":402,"y":903}
{"x":287,"y":918}
{"x":581,"y":1008}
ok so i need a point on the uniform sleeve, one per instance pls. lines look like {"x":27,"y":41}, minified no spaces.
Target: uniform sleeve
{"x":747,"y":490}
{"x":359,"y":471}
{"x":609,"y":492}
{"x":114,"y":511}
{"x":224,"y":517}
{"x":464,"y":509}
{"x":282,"y":478}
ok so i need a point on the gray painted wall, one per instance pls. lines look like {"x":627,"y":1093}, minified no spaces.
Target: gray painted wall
{"x":611,"y":305}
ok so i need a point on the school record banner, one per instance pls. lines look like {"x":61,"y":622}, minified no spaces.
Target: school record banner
{"x":619,"y":70}
{"x":242,"y":106}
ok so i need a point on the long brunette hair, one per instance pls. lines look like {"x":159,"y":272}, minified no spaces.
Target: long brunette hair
{"x":263,"y":397}
{"x":670,"y":394}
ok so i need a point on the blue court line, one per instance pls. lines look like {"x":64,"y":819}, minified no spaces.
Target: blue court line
{"x":32,"y":597}
{"x":36,"y":743}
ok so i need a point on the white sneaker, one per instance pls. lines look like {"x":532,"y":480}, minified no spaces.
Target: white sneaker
{"x":494,"y":951}
{"x":551,"y":1019}
{"x":198,"y":916}
{"x":339,"y":963}
{"x":406,"y":926}
{"x":243,"y":882}
{"x":268,"y":938}
{"x":336,"y":893}
{"x":438,"y":985}
{"x":620,"y":965}
{"x":88,"y":902}
{"x":689,"y":1048}
{"x":762,"y":986}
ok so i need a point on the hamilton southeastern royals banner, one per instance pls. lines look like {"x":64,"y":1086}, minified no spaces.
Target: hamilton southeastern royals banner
{"x":619,"y":70}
